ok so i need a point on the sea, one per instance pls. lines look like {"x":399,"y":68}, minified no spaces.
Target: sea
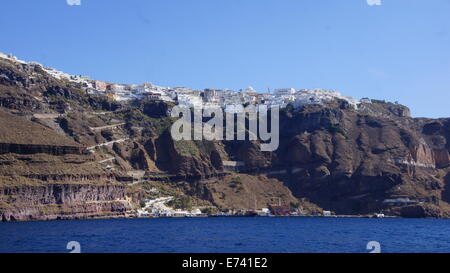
{"x":228,"y":235}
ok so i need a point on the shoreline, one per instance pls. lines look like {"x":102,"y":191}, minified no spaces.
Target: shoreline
{"x":203,"y":217}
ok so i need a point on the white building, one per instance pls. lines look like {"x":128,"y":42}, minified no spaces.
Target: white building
{"x":189,"y":101}
{"x":249,"y":90}
{"x":265,"y":212}
{"x":320,"y":96}
{"x":327,"y":213}
{"x":366,"y":100}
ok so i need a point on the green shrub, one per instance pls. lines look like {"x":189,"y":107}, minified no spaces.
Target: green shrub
{"x":209,"y":210}
{"x":181,"y":202}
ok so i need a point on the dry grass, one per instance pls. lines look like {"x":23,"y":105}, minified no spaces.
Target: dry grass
{"x":18,"y":130}
{"x":239,"y":191}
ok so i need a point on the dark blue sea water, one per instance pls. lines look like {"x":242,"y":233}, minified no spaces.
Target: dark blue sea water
{"x":248,"y":235}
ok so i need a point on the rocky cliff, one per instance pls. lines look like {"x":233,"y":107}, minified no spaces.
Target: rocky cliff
{"x":72,"y":155}
{"x":63,"y":201}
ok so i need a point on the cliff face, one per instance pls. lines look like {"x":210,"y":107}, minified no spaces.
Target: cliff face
{"x":6,"y":148}
{"x":63,"y":201}
{"x":351,"y":161}
{"x":373,"y":159}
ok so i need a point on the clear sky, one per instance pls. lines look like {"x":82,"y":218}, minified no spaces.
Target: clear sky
{"x":398,"y":51}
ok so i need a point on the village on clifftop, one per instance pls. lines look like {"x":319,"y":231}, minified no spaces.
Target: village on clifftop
{"x":187,"y":97}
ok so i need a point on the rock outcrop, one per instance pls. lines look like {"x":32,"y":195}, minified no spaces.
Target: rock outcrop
{"x":375,"y":158}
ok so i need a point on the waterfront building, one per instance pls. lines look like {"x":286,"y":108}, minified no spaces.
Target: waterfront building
{"x":281,"y":210}
{"x":326,"y":213}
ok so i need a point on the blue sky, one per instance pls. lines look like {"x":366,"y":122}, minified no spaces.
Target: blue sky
{"x":398,"y":51}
